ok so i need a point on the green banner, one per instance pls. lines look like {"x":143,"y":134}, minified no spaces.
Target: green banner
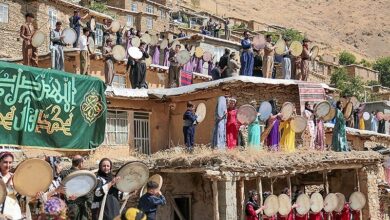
{"x":50,"y":109}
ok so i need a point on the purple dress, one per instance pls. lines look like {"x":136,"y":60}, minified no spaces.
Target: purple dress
{"x":166,"y":57}
{"x":273,"y":138}
{"x":199,"y":65}
{"x":210,"y":68}
{"x":156,"y":55}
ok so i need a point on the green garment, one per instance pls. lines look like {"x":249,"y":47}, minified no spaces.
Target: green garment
{"x":254,"y":134}
{"x":339,"y":139}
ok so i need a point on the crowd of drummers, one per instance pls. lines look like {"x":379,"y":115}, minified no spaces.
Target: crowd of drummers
{"x":42,"y":190}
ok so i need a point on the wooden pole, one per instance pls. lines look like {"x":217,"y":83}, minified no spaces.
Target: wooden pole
{"x":215,"y":198}
{"x":326,"y":183}
{"x":260,"y":189}
{"x":289,"y":186}
{"x":357,"y":180}
{"x":241,"y":192}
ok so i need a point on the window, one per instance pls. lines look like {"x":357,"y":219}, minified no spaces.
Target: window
{"x":117,"y":132}
{"x":119,"y":81}
{"x":141,"y":132}
{"x":162,"y":13}
{"x":99,"y":35}
{"x":52,"y":17}
{"x":149,"y":23}
{"x":130,"y":21}
{"x":183,"y":203}
{"x":133,"y":7}
{"x":3,"y":13}
{"x":149,"y":9}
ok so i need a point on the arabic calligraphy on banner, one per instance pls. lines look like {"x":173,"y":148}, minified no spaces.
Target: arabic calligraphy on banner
{"x":50,"y":108}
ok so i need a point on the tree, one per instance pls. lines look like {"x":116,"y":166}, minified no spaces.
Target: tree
{"x":349,"y":86}
{"x":383,"y":66}
{"x":346,"y":58}
{"x":365,"y":63}
{"x":292,"y":34}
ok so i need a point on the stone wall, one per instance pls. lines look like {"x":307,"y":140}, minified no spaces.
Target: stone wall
{"x":364,"y":73}
{"x":368,"y":177}
{"x":194,"y":185}
{"x":11,"y":43}
{"x":227,"y":200}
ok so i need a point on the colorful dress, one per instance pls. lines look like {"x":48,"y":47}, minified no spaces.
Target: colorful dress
{"x":287,"y":142}
{"x":309,"y":135}
{"x":273,"y":138}
{"x":374,"y":123}
{"x":254,"y":133}
{"x":339,"y":138}
{"x":219,"y":132}
{"x":361,"y":123}
{"x":246,"y":58}
{"x":320,"y":136}
{"x":232,"y":126}
{"x":315,"y":216}
{"x":289,"y":216}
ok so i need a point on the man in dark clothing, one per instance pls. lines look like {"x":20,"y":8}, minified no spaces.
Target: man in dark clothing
{"x":189,"y":118}
{"x":223,"y":62}
{"x":181,"y":34}
{"x":216,"y":72}
{"x":74,"y":23}
{"x":78,"y":208}
{"x":149,"y":202}
{"x":257,"y":65}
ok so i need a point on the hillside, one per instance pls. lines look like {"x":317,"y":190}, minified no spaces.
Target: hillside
{"x":359,"y":26}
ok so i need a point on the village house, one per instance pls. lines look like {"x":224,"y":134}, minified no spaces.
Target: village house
{"x":151,"y":120}
{"x":366,"y":74}
{"x":142,"y":15}
{"x":47,"y":13}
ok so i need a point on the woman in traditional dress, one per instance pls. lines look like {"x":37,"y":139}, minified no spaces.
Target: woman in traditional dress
{"x":382,"y":126}
{"x":309,"y":135}
{"x":106,"y":185}
{"x":362,"y":125}
{"x":290,"y":215}
{"x":264,"y":216}
{"x":129,"y":36}
{"x":188,"y":66}
{"x":232,"y":125}
{"x":345,"y":214}
{"x":252,"y":207}
{"x":287,"y":142}
{"x":273,"y":138}
{"x":339,"y":138}
{"x":108,"y":62}
{"x":219,"y":132}
{"x":374,"y":122}
{"x":156,"y":53}
{"x":254,"y":131}
{"x":320,"y":135}
{"x":247,"y":60}
{"x":11,"y":206}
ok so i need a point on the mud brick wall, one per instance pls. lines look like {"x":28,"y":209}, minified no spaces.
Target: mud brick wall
{"x":368,"y":178}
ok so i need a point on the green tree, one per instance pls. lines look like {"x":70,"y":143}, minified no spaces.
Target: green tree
{"x":346,"y":58}
{"x":365,"y":63}
{"x":349,"y":86}
{"x":383,"y":66}
{"x":372,"y":83}
{"x":292,"y":34}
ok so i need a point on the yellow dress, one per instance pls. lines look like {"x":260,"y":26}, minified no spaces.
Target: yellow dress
{"x":361,"y":124}
{"x":287,"y":142}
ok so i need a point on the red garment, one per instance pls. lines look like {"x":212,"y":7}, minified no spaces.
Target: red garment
{"x":315,"y":216}
{"x":269,"y":218}
{"x":301,"y":217}
{"x":290,"y":216}
{"x":356,"y":214}
{"x":251,"y":212}
{"x":344,"y":214}
{"x":232,"y":126}
{"x":326,"y":215}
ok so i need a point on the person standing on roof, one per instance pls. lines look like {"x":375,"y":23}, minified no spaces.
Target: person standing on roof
{"x":246,"y":56}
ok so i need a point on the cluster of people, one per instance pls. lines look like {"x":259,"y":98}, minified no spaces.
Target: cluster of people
{"x":373,"y":122}
{"x":55,"y":204}
{"x":212,"y":28}
{"x":254,"y":210}
{"x":274,"y":132}
{"x":261,"y":63}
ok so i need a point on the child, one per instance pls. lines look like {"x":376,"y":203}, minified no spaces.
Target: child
{"x":149,"y":202}
{"x":189,"y":118}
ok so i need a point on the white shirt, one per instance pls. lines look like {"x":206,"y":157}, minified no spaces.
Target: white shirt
{"x":83,"y":42}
